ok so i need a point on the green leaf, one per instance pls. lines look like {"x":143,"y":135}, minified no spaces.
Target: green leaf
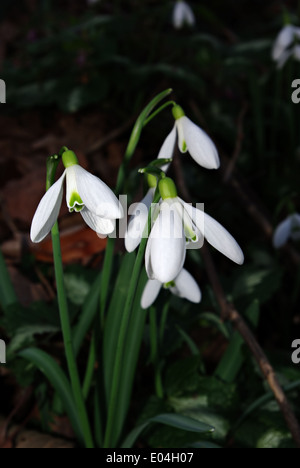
{"x":58,"y":379}
{"x":134,"y":339}
{"x":114,"y":317}
{"x":234,"y":357}
{"x":87,"y":315}
{"x":173,"y":420}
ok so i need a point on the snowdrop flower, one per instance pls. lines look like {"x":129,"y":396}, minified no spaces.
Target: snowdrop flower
{"x":192,"y":139}
{"x":184,"y":286}
{"x":178,"y":225}
{"x":286,"y":45}
{"x":183,"y":15}
{"x":86,"y":194}
{"x":288,"y":229}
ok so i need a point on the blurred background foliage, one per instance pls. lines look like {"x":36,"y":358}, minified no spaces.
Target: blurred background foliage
{"x":73,"y":58}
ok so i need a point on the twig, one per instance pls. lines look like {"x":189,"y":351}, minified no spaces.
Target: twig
{"x":247,"y":199}
{"x":228,"y":312}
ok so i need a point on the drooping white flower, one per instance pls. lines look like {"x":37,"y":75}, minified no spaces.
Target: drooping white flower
{"x":183,"y":15}
{"x":166,"y":247}
{"x":288,"y":229}
{"x":184,"y":286}
{"x":286,"y":45}
{"x":192,"y":139}
{"x":176,"y":227}
{"x":86,"y":194}
{"x":181,"y":223}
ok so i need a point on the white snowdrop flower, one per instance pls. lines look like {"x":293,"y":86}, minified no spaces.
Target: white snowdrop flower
{"x":177,"y":226}
{"x":183,"y":15}
{"x":184,"y":286}
{"x":192,"y":139}
{"x":86,"y":194}
{"x":288,"y":229}
{"x":166,"y":247}
{"x":286,"y":46}
{"x":139,"y":217}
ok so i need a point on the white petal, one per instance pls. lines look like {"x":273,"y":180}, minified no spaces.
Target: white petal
{"x":282,"y":233}
{"x":166,"y":255}
{"x":284,"y":57}
{"x":182,"y":145}
{"x":96,"y":195}
{"x":138,"y":222}
{"x":73,"y":198}
{"x":183,"y":14}
{"x":216,"y":235}
{"x":148,"y":265}
{"x":47,"y":211}
{"x":192,"y":234}
{"x":167,"y":149}
{"x":187,"y":288}
{"x":199,"y":144}
{"x":150,"y":293}
{"x":283,"y":42}
{"x":98,"y":224}
{"x":296,"y":52}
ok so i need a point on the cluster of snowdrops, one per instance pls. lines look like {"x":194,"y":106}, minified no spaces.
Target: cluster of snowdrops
{"x":175,"y":224}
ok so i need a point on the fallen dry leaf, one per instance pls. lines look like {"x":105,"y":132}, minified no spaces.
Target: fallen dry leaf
{"x":78,"y":244}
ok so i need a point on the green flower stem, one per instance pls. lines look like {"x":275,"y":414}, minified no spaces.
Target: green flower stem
{"x":8,"y":295}
{"x":158,"y":111}
{"x":67,"y":335}
{"x":112,"y":408}
{"x":106,"y":275}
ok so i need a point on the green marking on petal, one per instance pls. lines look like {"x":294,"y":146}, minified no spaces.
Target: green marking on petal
{"x":184,"y":147}
{"x":75,"y":203}
{"x":169,"y":285}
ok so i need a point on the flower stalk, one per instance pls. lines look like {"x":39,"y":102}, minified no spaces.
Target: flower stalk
{"x":52,"y":164}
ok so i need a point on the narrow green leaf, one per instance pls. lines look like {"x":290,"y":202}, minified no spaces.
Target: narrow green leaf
{"x":114,"y":318}
{"x":134,"y":339}
{"x":174,"y":420}
{"x":87,"y":316}
{"x":49,"y":367}
{"x":233,"y":359}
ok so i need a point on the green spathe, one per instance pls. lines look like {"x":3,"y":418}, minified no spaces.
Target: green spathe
{"x":69,"y":159}
{"x":167,"y":189}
